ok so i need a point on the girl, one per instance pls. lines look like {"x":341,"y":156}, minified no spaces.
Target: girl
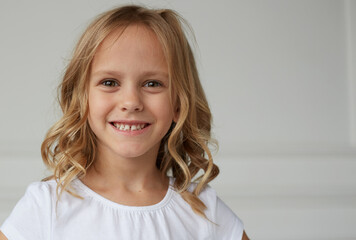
{"x":134,"y":113}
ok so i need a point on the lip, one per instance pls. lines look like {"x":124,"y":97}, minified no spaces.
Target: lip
{"x":131,"y":122}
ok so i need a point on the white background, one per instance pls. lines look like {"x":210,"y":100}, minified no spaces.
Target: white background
{"x":280,"y":77}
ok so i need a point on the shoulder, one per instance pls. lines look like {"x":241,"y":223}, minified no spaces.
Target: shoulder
{"x":41,"y":187}
{"x":31,"y":217}
{"x":208,"y":195}
{"x":38,"y":199}
{"x":226,"y":221}
{"x":39,"y":194}
{"x":40,"y":191}
{"x":215,"y":206}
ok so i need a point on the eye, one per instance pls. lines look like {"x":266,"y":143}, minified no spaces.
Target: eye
{"x":152,"y":83}
{"x":109,"y":83}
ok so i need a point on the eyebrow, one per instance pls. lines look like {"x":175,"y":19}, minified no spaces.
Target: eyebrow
{"x":120,"y":74}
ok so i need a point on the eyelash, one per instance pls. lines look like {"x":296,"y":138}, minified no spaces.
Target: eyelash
{"x":114,"y":83}
{"x":109,"y":83}
{"x":156,"y":84}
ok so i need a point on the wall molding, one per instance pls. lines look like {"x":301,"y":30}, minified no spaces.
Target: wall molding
{"x":312,"y":192}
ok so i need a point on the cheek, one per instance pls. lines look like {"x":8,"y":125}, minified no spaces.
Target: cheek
{"x":98,"y":107}
{"x":164,"y":110}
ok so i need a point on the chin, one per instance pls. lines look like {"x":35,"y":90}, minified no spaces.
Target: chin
{"x":130,"y":154}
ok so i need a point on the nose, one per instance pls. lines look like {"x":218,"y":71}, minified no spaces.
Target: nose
{"x":130,"y":100}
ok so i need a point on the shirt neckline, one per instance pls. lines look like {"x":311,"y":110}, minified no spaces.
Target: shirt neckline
{"x":113,"y":204}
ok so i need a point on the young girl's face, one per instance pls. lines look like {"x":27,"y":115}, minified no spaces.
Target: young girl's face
{"x":129,"y":101}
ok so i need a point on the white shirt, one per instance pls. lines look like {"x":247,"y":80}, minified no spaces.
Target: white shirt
{"x":95,"y":217}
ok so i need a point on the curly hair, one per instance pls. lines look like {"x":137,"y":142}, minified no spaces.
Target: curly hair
{"x":69,"y":148}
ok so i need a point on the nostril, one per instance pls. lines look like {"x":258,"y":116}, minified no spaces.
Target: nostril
{"x":132,"y":107}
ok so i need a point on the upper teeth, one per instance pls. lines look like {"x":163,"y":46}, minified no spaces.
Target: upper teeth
{"x":127,"y":127}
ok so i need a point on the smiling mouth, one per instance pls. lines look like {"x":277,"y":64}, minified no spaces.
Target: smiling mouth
{"x":129,"y":127}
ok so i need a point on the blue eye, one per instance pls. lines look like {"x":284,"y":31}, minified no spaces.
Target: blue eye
{"x":109,"y":83}
{"x":153,"y":84}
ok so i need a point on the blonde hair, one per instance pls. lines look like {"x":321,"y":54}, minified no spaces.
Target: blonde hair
{"x":69,"y":147}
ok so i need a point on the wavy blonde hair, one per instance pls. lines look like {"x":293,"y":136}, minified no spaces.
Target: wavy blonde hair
{"x":69,"y":148}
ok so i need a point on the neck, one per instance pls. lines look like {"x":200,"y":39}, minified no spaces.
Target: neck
{"x":125,"y":173}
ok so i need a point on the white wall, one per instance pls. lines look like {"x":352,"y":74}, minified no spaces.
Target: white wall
{"x":281,"y":80}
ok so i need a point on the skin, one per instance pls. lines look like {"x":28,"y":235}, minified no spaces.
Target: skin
{"x":2,"y":237}
{"x":244,"y":237}
{"x":127,"y":164}
{"x":129,"y":82}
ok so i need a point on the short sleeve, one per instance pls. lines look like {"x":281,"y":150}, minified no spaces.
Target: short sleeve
{"x":31,"y":217}
{"x":226,"y":225}
{"x":230,"y":227}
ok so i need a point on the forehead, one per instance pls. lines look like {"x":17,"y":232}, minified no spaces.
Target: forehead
{"x":130,"y":32}
{"x":129,"y":47}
